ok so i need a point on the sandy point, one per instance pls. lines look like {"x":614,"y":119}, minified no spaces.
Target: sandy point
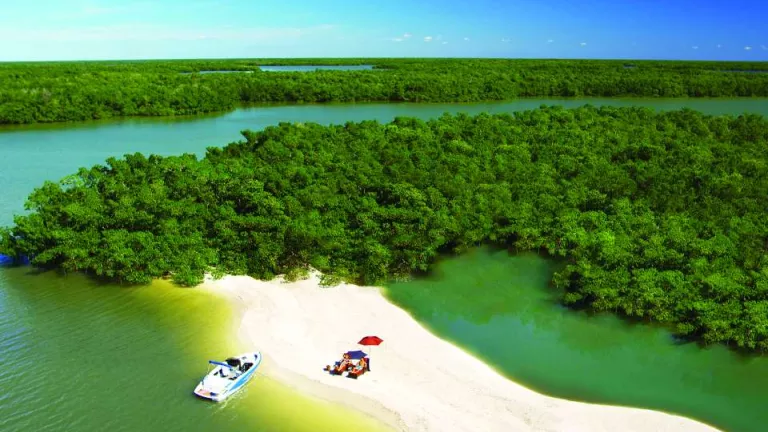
{"x":418,"y":382}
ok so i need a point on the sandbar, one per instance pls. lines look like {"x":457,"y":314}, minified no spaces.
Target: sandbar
{"x":418,"y":382}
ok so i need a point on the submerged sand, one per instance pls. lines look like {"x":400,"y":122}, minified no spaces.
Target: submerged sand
{"x":300,"y":327}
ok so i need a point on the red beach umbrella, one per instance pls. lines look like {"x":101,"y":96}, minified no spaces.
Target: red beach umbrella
{"x":371,"y":340}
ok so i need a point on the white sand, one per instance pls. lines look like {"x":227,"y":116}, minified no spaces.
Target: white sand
{"x":301,"y":327}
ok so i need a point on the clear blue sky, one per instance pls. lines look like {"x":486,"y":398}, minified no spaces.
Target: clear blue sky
{"x":132,"y":29}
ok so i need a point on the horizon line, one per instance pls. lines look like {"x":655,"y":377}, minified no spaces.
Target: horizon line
{"x":383,"y":58}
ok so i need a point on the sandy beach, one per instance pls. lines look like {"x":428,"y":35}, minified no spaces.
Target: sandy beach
{"x":418,"y":382}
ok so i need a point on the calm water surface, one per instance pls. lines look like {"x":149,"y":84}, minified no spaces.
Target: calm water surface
{"x":313,"y":68}
{"x":291,"y":68}
{"x":206,"y":72}
{"x":78,"y":356}
{"x":501,"y":308}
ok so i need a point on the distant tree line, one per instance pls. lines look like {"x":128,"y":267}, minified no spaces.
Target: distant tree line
{"x":659,"y":216}
{"x":73,"y":91}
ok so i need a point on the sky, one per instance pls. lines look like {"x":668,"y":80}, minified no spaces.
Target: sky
{"x":619,"y":29}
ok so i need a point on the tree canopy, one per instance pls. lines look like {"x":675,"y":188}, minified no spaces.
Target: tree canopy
{"x":73,"y":91}
{"x":659,"y":216}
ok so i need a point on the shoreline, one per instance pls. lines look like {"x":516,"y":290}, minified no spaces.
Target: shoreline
{"x":297,"y":382}
{"x":418,"y":382}
{"x":187,"y":118}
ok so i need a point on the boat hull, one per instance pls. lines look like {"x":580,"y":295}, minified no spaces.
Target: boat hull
{"x":217,"y":393}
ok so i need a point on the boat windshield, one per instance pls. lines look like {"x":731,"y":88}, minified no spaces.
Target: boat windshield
{"x":233,"y":362}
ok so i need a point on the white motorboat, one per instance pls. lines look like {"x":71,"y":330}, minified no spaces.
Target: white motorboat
{"x":228,"y":376}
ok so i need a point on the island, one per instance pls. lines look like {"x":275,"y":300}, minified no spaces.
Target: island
{"x":656,"y":216}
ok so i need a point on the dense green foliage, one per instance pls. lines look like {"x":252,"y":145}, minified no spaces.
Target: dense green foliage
{"x":53,"y":92}
{"x":659,"y":215}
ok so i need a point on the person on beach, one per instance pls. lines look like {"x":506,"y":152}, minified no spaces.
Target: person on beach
{"x":345,"y":360}
{"x":361,"y":367}
{"x":342,"y":366}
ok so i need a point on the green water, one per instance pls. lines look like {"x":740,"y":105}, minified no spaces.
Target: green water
{"x":82,"y":357}
{"x":501,"y":308}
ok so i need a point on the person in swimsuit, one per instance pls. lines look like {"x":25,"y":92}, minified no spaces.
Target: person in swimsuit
{"x":361,"y":367}
{"x":342,"y":366}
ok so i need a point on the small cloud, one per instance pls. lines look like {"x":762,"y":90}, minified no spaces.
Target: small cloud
{"x":466,"y":38}
{"x":445,"y":42}
{"x":747,"y":48}
{"x":763,"y":47}
{"x":550,"y":40}
{"x":438,"y":37}
{"x":401,"y":38}
{"x":583,"y":44}
{"x":719,"y":46}
{"x":695,"y":47}
{"x":505,"y":40}
{"x":427,"y":38}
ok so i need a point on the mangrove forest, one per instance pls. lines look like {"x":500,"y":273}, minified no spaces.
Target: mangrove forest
{"x":656,"y":216}
{"x":42,"y":92}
